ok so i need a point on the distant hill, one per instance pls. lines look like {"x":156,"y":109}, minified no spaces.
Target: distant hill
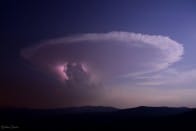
{"x":144,"y":111}
{"x":102,"y":110}
{"x":87,"y":109}
{"x":100,"y":117}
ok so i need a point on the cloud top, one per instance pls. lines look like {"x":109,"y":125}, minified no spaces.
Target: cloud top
{"x":107,"y":55}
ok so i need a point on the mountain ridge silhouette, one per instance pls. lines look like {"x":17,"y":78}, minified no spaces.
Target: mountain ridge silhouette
{"x":100,"y":118}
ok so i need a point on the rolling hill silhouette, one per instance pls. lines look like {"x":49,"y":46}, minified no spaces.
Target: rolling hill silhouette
{"x":99,"y":118}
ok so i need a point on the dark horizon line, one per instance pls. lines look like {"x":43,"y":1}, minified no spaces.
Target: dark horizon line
{"x":91,"y":106}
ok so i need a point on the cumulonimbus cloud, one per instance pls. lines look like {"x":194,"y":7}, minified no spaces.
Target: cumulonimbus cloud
{"x":106,"y":55}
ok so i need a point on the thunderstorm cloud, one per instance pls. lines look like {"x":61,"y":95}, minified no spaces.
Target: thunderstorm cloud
{"x":105,"y":55}
{"x":98,"y":61}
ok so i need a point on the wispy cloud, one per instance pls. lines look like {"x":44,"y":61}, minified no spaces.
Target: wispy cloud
{"x":170,"y":77}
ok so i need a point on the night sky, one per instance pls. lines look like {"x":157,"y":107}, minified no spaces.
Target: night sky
{"x":120,"y":53}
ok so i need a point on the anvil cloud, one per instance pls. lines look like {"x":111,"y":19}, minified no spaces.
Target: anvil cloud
{"x":106,"y":55}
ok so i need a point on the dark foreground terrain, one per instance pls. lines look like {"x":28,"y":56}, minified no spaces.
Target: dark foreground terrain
{"x":99,"y":118}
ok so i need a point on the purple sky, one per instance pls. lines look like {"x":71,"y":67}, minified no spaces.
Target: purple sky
{"x":131,"y":53}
